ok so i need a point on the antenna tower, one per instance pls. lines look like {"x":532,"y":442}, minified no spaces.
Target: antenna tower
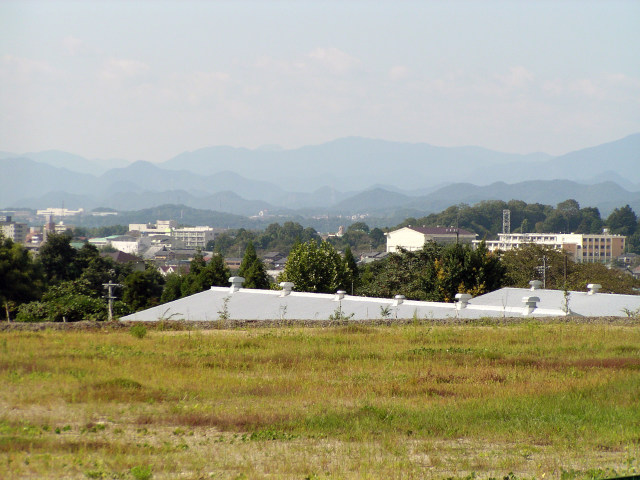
{"x":506,"y":221}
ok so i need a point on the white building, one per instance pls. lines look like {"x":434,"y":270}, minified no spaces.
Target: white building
{"x":13,"y":230}
{"x":194,"y":237}
{"x":413,"y":238}
{"x":583,"y":248}
{"x":161,"y":227}
{"x":59,"y":212}
{"x":129,"y":244}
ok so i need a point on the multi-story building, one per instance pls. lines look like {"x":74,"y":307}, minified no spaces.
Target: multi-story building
{"x":413,"y":238}
{"x":583,"y":248}
{"x":13,"y":230}
{"x":161,"y":227}
{"x":194,"y":237}
{"x":59,"y":212}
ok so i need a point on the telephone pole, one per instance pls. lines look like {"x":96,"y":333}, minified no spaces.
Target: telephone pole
{"x":110,"y":296}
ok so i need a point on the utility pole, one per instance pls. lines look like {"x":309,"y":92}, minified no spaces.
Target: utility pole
{"x":543,"y":271}
{"x":110,"y":296}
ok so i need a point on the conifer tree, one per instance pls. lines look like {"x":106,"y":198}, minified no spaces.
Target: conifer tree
{"x":253,"y":270}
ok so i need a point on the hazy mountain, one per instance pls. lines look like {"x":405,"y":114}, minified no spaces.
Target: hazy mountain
{"x":335,"y":177}
{"x":349,"y":163}
{"x":23,"y":177}
{"x":70,"y":161}
{"x":373,"y":200}
{"x":609,"y":161}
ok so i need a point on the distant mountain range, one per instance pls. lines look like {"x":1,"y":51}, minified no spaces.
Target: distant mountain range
{"x":347,"y":176}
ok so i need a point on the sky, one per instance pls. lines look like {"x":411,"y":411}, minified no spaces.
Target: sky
{"x":147,"y":80}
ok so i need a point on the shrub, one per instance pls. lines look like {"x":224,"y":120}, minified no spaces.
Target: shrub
{"x":138,"y":331}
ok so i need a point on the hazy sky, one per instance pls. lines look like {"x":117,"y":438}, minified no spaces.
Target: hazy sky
{"x":148,"y":80}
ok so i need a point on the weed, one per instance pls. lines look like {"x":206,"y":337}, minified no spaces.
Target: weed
{"x":141,"y":472}
{"x":223,"y":314}
{"x":138,"y":331}
{"x":385,"y":312}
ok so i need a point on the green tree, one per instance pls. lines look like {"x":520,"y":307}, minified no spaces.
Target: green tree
{"x":57,"y":258}
{"x":216,"y":273}
{"x":21,"y":279}
{"x":143,"y":289}
{"x":351,"y":270}
{"x":314,"y":267}
{"x":253,"y":269}
{"x":623,"y":221}
{"x":172,"y":288}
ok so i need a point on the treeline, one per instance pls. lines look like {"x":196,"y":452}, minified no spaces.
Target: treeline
{"x":485,"y":219}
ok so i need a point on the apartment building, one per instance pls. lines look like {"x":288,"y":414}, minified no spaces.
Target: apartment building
{"x":13,"y":230}
{"x":583,"y":248}
{"x":194,"y":237}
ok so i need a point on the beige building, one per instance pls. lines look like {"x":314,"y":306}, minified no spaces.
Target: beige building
{"x":583,"y":248}
{"x":194,"y":237}
{"x":13,"y":230}
{"x":413,"y":238}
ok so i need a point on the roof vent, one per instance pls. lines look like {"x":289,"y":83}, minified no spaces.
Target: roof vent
{"x":593,"y":288}
{"x":339,"y":295}
{"x":462,"y":300}
{"x":236,"y":283}
{"x":398,"y":299}
{"x":286,"y":288}
{"x":535,"y":284}
{"x":530,"y":304}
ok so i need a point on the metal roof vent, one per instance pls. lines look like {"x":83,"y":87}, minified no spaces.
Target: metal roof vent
{"x":593,"y":288}
{"x":530,"y":304}
{"x":236,"y":283}
{"x":286,"y":288}
{"x":462,"y":300}
{"x":339,"y":295}
{"x":535,"y":284}
{"x":398,"y":299}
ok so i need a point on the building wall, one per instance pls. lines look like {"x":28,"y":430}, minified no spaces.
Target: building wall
{"x":412,"y":240}
{"x":590,"y":248}
{"x":15,"y":231}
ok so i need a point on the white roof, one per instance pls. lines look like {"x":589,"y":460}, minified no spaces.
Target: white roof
{"x":580,"y":303}
{"x":250,"y":304}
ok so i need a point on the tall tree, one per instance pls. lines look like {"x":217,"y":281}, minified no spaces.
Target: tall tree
{"x":20,"y":278}
{"x":253,"y":269}
{"x":57,"y":258}
{"x":351,"y":270}
{"x":315,"y":268}
{"x":143,"y":289}
{"x":623,"y":221}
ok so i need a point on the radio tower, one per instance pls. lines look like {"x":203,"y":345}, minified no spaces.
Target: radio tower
{"x":506,"y":221}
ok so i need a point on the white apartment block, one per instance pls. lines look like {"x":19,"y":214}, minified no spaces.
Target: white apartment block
{"x":583,"y":248}
{"x":59,"y":212}
{"x":194,"y":237}
{"x":161,"y":227}
{"x":17,"y":232}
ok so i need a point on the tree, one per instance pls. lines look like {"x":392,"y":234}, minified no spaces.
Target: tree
{"x":21,"y":279}
{"x":143,"y":289}
{"x":172,"y":288}
{"x":528,"y":263}
{"x":57,"y":258}
{"x":351,"y":269}
{"x":623,"y":221}
{"x":214,"y":273}
{"x":314,"y":267}
{"x":253,"y":270}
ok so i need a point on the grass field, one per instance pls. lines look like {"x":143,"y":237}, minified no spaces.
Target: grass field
{"x":557,"y":400}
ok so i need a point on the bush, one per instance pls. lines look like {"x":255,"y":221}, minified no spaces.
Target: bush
{"x":138,"y":331}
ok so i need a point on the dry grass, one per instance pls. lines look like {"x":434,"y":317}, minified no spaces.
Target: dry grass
{"x":361,"y":401}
